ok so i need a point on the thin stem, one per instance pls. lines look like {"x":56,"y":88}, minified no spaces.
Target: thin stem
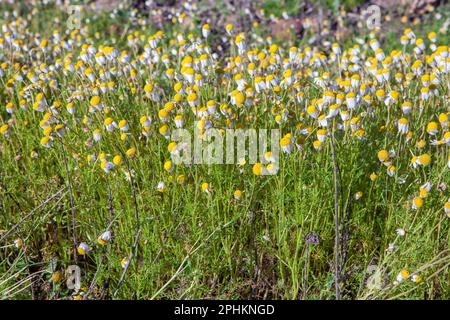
{"x":72,"y":202}
{"x":132,"y":253}
{"x":336,"y":219}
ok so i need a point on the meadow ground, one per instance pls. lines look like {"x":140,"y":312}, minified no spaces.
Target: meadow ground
{"x":358,"y":206}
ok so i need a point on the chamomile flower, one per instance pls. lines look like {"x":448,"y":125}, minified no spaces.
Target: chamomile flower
{"x":131,"y":152}
{"x":168,"y":166}
{"x":383,"y":155}
{"x":447,"y":208}
{"x":18,"y":243}
{"x":403,"y":275}
{"x":258,"y":169}
{"x":83,"y":249}
{"x":206,"y":187}
{"x":124,"y":263}
{"x":424,"y":159}
{"x":205,"y":30}
{"x":424,"y":189}
{"x":123,"y":125}
{"x":161,"y":187}
{"x":416,"y":278}
{"x":286,"y":144}
{"x":47,"y":141}
{"x":391,"y":170}
{"x":403,"y":125}
{"x":237,"y":195}
{"x":104,"y":238}
{"x":107,"y":166}
{"x":5,"y":130}
{"x":417,"y":203}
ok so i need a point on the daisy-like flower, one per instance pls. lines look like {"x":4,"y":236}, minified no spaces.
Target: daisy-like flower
{"x":403,"y":125}
{"x":160,"y":187}
{"x":317,"y":145}
{"x":406,"y":107}
{"x":383,"y":156}
{"x":110,"y":124}
{"x":124,"y":263}
{"x":206,"y":187}
{"x":391,"y":170}
{"x":447,"y":208}
{"x":131,"y":153}
{"x":424,"y":189}
{"x":286,"y":143}
{"x":417,"y":203}
{"x":163,"y":115}
{"x":95,"y":102}
{"x":129,"y":174}
{"x":193,"y":99}
{"x":145,"y":121}
{"x":179,"y":121}
{"x":374,"y":44}
{"x":350,"y":99}
{"x":424,"y":159}
{"x":403,"y":275}
{"x":189,"y":74}
{"x":104,"y":238}
{"x":336,"y":48}
{"x":97,"y":135}
{"x":40,"y":103}
{"x":83,"y":249}
{"x":229,"y":29}
{"x":107,"y":166}
{"x":237,"y":98}
{"x":5,"y":130}
{"x":70,"y":108}
{"x":18,"y":243}
{"x":172,"y":148}
{"x":117,"y":160}
{"x":322,"y":134}
{"x":237,"y":195}
{"x":312,"y":112}
{"x":358,"y":195}
{"x":168,"y":166}
{"x":165,"y":131}
{"x":240,"y":43}
{"x":400,"y":232}
{"x":123,"y":125}
{"x":10,"y":108}
{"x":205,"y":30}
{"x":258,"y":169}
{"x":46,"y":141}
{"x":432,"y":128}
{"x":391,"y":98}
{"x":271,"y":169}
{"x":416,"y":278}
{"x":60,"y":129}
